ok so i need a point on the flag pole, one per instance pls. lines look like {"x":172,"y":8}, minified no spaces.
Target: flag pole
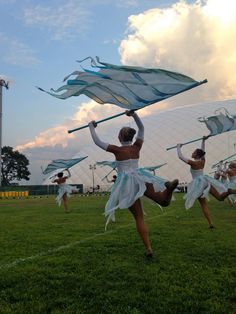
{"x":108,"y":174}
{"x":192,"y":141}
{"x":100,"y":121}
{"x":198,"y":139}
{"x":224,"y":160}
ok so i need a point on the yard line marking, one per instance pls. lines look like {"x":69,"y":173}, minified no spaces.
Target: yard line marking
{"x":67,"y":246}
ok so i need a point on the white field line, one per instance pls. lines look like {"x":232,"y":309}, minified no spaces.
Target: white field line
{"x":67,"y":246}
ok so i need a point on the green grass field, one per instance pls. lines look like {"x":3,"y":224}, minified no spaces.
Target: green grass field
{"x":53,"y":262}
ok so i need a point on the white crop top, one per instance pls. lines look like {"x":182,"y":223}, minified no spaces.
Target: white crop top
{"x":126,"y":165}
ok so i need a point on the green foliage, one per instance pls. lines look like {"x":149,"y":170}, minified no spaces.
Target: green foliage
{"x":53,"y":262}
{"x":14,"y":166}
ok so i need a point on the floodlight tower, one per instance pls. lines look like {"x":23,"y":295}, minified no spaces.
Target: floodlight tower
{"x":93,"y":167}
{"x":3,"y":83}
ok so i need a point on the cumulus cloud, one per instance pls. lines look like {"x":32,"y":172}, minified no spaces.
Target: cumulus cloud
{"x":16,"y":52}
{"x":196,"y":39}
{"x":58,"y":135}
{"x":88,"y":111}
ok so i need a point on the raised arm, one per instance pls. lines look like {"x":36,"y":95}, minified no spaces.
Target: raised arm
{"x":180,"y":155}
{"x":69,"y":174}
{"x":95,"y":137}
{"x":140,"y":126}
{"x":140,"y":135}
{"x":203,"y":142}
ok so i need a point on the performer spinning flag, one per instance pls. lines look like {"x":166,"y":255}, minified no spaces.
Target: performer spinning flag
{"x":64,"y":190}
{"x":132,"y":182}
{"x":217,"y":124}
{"x":202,"y":185}
{"x":60,"y":164}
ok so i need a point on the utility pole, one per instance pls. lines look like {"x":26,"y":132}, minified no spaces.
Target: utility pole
{"x":3,"y":83}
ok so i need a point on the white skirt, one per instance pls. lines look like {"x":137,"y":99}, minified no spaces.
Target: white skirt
{"x":200,"y":187}
{"x":64,"y":189}
{"x":232,"y":197}
{"x":130,"y":186}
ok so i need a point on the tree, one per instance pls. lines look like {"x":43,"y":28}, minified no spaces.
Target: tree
{"x":14,"y":166}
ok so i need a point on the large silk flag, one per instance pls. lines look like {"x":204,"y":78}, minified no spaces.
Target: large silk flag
{"x":128,"y":87}
{"x":60,"y":164}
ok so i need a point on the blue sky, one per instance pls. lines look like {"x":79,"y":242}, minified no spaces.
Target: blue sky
{"x":40,"y":42}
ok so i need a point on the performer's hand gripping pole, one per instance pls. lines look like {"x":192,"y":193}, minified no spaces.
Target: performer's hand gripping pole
{"x":189,"y":142}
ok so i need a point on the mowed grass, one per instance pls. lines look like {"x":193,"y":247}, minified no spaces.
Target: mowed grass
{"x":53,"y":262}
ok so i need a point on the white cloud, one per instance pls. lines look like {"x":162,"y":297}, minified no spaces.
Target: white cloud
{"x":196,"y":39}
{"x":17,"y":53}
{"x":64,"y":21}
{"x":58,"y":135}
{"x":20,"y":54}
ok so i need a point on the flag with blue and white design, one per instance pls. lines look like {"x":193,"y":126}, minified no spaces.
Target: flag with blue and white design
{"x":222,"y":122}
{"x":62,"y":164}
{"x":128,"y":87}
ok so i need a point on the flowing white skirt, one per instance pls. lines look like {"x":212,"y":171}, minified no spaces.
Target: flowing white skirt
{"x":232,"y":197}
{"x":130,"y":186}
{"x":200,"y":187}
{"x":64,"y":189}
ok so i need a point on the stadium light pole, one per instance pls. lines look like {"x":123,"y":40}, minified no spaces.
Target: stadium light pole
{"x":92,"y":167}
{"x":3,"y":83}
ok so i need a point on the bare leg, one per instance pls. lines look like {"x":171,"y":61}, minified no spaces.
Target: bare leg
{"x":136,"y":210}
{"x":163,"y":198}
{"x":217,"y":195}
{"x":205,"y":211}
{"x":222,"y":196}
{"x":65,"y":202}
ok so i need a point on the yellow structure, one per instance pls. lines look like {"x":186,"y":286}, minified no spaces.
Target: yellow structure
{"x":14,"y":194}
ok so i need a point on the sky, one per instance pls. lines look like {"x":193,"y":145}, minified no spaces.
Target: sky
{"x":40,"y":42}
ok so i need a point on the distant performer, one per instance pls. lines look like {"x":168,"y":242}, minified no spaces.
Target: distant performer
{"x":132,"y":182}
{"x":202,"y":185}
{"x":220,"y":173}
{"x":65,"y":190}
{"x":231,"y":173}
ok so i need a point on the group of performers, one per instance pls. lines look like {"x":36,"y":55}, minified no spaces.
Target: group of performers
{"x":133,"y":182}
